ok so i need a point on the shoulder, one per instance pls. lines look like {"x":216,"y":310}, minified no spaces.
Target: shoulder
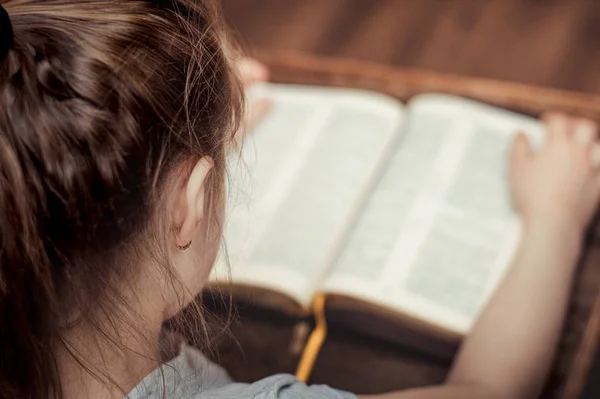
{"x":282,"y":386}
{"x":190,"y":375}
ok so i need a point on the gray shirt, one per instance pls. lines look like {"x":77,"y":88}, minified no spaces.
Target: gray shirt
{"x":190,"y":375}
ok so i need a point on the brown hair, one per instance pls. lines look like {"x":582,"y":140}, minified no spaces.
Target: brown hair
{"x":99,"y":101}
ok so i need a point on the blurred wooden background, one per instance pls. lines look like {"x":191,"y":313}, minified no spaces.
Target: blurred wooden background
{"x":544,"y":42}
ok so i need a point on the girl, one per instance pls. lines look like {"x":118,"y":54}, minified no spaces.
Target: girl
{"x":115,"y":120}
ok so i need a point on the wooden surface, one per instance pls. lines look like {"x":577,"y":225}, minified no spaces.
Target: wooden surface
{"x":543,"y":42}
{"x":263,"y":344}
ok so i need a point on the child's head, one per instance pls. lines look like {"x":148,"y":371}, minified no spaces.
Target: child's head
{"x":115,"y":116}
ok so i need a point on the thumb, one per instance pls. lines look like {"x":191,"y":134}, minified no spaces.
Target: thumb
{"x":521,"y":151}
{"x":252,"y":72}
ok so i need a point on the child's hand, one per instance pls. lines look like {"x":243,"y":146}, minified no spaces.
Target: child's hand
{"x":252,"y":72}
{"x":561,"y":182}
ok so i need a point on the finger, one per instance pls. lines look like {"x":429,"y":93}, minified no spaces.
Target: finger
{"x":521,"y":151}
{"x":258,"y":110}
{"x":252,"y":72}
{"x":595,"y":155}
{"x":556,"y":124}
{"x":585,"y":132}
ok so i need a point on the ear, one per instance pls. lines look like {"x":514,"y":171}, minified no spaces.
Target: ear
{"x":189,"y":202}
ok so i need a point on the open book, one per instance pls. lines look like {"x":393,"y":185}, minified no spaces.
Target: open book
{"x":401,"y":212}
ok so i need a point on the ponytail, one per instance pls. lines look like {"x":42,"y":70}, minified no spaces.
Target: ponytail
{"x":26,"y":293}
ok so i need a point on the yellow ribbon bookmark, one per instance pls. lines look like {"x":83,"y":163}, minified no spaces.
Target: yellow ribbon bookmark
{"x":315,"y":341}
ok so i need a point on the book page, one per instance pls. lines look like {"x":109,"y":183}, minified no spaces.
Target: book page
{"x":303,"y":174}
{"x":439,"y":231}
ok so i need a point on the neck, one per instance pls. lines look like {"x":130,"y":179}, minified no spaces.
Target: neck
{"x":107,"y":362}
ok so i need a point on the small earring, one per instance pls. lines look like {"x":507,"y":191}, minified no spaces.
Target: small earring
{"x":183,"y":247}
{"x":176,"y":230}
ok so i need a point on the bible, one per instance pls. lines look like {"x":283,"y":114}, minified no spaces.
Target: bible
{"x":390,"y":219}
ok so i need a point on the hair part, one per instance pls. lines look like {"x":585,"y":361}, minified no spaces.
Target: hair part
{"x":100,"y":101}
